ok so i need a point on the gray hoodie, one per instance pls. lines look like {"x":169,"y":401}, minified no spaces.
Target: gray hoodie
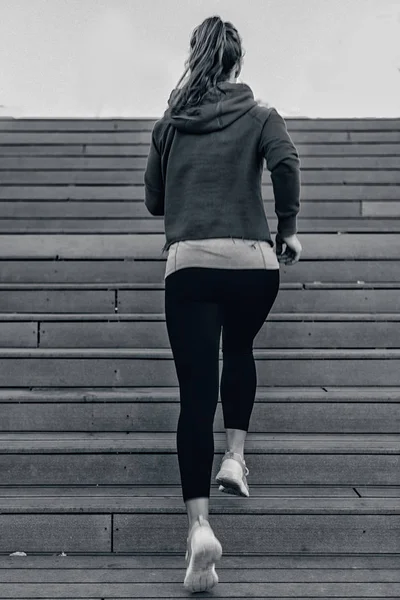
{"x":205,"y":168}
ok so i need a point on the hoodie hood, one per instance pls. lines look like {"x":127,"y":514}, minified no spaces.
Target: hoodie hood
{"x":219,"y":108}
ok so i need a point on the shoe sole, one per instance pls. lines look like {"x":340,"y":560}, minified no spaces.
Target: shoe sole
{"x":200,"y":574}
{"x":229,"y":481}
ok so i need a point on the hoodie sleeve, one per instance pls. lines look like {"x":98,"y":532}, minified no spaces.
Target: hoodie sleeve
{"x":153,"y":181}
{"x":283,"y":162}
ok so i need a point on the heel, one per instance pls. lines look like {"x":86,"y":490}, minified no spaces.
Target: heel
{"x":202,"y":553}
{"x":230,"y":480}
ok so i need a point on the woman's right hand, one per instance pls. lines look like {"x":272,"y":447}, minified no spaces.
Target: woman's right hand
{"x":292,"y":253}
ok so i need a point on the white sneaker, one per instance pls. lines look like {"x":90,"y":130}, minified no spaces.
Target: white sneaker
{"x":232,"y":475}
{"x":203,"y":550}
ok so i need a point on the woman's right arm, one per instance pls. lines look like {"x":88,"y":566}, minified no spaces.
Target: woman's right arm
{"x":283,"y":162}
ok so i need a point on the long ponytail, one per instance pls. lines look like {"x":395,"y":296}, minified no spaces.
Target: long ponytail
{"x":215,"y":48}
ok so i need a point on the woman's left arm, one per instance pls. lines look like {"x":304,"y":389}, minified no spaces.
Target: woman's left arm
{"x":153,"y":181}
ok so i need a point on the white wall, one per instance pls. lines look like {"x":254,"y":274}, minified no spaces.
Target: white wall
{"x":121,"y":58}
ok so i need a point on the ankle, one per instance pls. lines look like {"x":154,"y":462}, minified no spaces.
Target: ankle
{"x":239,"y":451}
{"x":235,"y":440}
{"x":198,"y":522}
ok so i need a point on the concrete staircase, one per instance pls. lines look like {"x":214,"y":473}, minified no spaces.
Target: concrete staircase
{"x":89,"y":402}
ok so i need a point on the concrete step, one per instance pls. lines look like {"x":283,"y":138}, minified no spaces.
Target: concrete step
{"x":29,"y":159}
{"x":100,"y":192}
{"x":55,"y":270}
{"x":321,"y":246}
{"x":149,"y":458}
{"x":95,"y":225}
{"x":357,"y":299}
{"x":335,"y":212}
{"x":143,"y":136}
{"x":322,"y":177}
{"x":145,"y":298}
{"x":380,"y":150}
{"x":135,"y":330}
{"x":92,"y":209}
{"x":137,"y":124}
{"x":317,"y":246}
{"x":279,"y":410}
{"x":109,"y":149}
{"x":91,"y":470}
{"x":154,"y":521}
{"x":138,"y":367}
{"x":111,"y":575}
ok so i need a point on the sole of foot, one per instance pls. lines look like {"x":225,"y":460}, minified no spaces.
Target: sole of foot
{"x":204,"y":549}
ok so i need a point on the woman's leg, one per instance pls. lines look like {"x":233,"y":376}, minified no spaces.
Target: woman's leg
{"x":247,"y":304}
{"x":194,"y":321}
{"x":198,"y":302}
{"x":235,"y":439}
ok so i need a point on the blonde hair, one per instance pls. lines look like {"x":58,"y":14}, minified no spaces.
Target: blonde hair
{"x":215,"y":48}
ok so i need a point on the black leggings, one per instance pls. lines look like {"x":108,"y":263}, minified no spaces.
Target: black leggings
{"x":198,"y":302}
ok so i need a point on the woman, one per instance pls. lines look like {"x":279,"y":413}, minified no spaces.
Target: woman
{"x":203,"y":174}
